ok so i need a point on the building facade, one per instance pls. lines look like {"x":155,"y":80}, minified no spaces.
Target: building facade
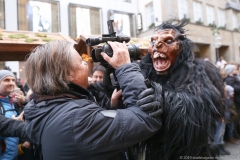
{"x":70,"y":17}
{"x":203,"y":15}
{"x":135,"y":18}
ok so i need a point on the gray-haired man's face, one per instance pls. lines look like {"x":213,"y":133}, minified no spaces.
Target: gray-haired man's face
{"x":80,"y":74}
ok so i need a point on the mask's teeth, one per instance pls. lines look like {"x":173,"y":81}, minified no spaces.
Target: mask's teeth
{"x":156,"y":55}
{"x":163,"y":55}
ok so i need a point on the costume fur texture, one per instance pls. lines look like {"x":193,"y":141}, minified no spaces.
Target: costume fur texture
{"x":193,"y":100}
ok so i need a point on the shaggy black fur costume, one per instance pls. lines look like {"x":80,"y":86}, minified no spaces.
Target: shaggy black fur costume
{"x":193,"y":97}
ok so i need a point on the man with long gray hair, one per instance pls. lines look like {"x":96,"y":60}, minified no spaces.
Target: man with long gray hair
{"x":63,"y":117}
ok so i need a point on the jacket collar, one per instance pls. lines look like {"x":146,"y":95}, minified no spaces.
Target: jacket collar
{"x":75,"y":92}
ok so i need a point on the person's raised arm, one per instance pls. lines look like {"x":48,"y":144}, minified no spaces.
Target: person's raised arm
{"x":12,"y":128}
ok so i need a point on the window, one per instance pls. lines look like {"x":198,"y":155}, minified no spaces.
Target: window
{"x":183,"y":9}
{"x":139,"y":21}
{"x":235,"y":21}
{"x":124,"y":24}
{"x":221,"y":18}
{"x":149,"y":14}
{"x":210,"y":15}
{"x":84,"y":21}
{"x":2,"y":14}
{"x":197,"y":12}
{"x":38,"y":16}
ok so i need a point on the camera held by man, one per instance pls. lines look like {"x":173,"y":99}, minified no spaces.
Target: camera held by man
{"x":133,"y":50}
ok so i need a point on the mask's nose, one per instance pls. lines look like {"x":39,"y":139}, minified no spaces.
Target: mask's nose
{"x":161,"y":46}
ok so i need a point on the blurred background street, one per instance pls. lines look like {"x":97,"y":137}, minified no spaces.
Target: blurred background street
{"x":234,"y":150}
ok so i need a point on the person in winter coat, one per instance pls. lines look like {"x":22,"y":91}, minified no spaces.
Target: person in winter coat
{"x":63,"y":117}
{"x":9,"y":145}
{"x":97,"y":74}
{"x":233,"y":115}
{"x":232,"y":80}
{"x":11,"y":127}
{"x":14,"y":127}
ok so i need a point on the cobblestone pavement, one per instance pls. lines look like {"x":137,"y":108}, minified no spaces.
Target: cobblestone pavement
{"x":235,"y":152}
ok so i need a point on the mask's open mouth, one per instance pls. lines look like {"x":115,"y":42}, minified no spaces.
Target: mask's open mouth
{"x":161,"y":61}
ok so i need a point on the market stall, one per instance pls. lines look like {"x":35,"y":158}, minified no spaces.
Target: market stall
{"x":16,"y":45}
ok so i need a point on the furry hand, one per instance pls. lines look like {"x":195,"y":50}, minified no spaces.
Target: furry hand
{"x":150,"y":100}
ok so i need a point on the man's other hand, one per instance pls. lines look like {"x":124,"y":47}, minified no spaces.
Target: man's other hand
{"x":116,"y":95}
{"x":19,"y":118}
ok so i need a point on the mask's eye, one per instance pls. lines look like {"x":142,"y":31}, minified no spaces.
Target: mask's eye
{"x":153,"y":41}
{"x":169,"y":41}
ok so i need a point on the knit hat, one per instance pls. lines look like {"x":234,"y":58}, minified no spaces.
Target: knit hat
{"x":230,"y":90}
{"x":229,"y":68}
{"x":5,"y":73}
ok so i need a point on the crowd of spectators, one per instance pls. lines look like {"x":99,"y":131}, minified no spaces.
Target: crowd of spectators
{"x":228,"y":128}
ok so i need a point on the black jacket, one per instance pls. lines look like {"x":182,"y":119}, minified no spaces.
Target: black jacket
{"x":72,"y":126}
{"x":235,"y":83}
{"x":12,"y":128}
